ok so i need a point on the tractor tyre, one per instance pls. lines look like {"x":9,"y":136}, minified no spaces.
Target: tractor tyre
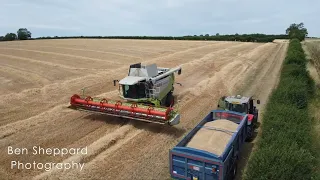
{"x":257,"y":116}
{"x":250,"y":133}
{"x":169,"y":100}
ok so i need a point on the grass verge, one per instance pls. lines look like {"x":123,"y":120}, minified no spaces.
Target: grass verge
{"x":285,"y":147}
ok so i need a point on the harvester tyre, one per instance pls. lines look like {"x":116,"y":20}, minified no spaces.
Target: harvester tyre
{"x":169,"y":99}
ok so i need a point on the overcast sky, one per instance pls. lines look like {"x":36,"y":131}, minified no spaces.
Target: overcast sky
{"x":157,"y":17}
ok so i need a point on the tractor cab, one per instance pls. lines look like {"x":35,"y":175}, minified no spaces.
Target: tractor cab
{"x":244,"y":105}
{"x":238,"y":103}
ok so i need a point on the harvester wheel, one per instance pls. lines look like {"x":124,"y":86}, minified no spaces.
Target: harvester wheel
{"x":169,"y":99}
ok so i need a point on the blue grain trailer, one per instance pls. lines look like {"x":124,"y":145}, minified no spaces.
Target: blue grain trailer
{"x":198,"y":164}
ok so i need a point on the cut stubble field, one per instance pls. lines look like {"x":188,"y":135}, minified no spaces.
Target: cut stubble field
{"x":38,"y":78}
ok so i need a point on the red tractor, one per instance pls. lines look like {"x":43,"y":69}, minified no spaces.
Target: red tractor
{"x":242,"y":104}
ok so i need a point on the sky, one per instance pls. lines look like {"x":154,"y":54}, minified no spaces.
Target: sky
{"x":156,"y":17}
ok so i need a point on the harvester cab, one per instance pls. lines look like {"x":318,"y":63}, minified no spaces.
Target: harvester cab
{"x":148,"y":91}
{"x":241,"y":104}
{"x":148,"y":84}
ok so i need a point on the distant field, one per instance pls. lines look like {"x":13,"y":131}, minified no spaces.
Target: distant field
{"x":281,"y":40}
{"x":312,"y":39}
{"x":38,"y":77}
{"x":313,"y":48}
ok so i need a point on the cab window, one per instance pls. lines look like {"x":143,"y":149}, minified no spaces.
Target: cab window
{"x":241,"y":108}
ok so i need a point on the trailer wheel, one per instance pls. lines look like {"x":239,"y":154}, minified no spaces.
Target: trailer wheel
{"x":234,"y":172}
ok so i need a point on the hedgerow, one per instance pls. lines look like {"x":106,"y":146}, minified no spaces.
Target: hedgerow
{"x":284,"y":149}
{"x":234,"y":37}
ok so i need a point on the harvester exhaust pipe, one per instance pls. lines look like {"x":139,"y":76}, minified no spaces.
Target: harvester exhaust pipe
{"x":115,"y":82}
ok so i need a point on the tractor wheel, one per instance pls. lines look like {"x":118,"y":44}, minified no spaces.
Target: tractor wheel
{"x":257,"y":116}
{"x":169,"y":99}
{"x":250,"y":133}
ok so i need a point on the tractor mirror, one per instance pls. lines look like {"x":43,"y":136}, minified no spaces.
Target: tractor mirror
{"x":258,"y":101}
{"x":179,"y":72}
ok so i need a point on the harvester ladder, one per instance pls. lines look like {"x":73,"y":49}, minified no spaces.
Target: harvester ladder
{"x":154,"y":92}
{"x":147,"y":90}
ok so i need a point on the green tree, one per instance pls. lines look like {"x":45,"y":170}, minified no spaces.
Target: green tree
{"x":1,"y":38}
{"x":23,"y":34}
{"x":217,"y":34}
{"x":297,"y":31}
{"x":10,"y":37}
{"x":207,"y":35}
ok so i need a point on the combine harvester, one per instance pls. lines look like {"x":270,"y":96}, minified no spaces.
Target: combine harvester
{"x":148,"y":91}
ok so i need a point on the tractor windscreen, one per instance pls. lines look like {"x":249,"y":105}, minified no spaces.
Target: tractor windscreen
{"x":135,"y":91}
{"x":241,"y":108}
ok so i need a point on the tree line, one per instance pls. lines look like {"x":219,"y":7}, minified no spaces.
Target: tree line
{"x":297,"y":31}
{"x":22,"y":34}
{"x":235,"y":37}
{"x":294,"y":31}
